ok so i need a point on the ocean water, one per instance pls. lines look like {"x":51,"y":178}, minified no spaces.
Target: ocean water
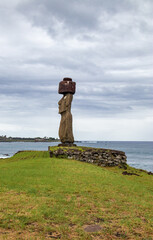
{"x":139,"y":154}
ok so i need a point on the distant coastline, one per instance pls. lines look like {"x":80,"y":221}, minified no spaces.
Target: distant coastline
{"x":28,"y":139}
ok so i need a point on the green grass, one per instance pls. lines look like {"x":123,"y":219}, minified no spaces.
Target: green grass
{"x":73,"y":148}
{"x":51,"y":198}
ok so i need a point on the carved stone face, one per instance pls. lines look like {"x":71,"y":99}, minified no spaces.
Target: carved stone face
{"x":62,"y":104}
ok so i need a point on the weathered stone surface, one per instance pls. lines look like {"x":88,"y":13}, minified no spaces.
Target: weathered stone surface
{"x":66,"y":86}
{"x":65,"y":129}
{"x":98,"y":156}
{"x":92,"y":228}
{"x":130,"y":173}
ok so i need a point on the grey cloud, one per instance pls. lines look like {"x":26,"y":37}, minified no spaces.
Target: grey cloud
{"x":72,"y":14}
{"x":78,"y":16}
{"x":74,"y":18}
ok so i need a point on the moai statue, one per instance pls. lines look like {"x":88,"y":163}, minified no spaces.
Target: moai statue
{"x":67,"y":88}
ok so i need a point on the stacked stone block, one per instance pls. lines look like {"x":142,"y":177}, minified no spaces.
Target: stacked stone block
{"x":100,"y":157}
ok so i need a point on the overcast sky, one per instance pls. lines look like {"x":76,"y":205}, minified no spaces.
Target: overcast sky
{"x":106,"y":47}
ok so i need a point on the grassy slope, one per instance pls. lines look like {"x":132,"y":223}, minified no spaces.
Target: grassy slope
{"x":44,"y":198}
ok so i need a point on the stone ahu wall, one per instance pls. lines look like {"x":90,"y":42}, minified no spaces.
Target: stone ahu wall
{"x":98,"y":156}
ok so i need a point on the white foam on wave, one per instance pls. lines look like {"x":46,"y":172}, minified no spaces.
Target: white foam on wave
{"x":4,"y":156}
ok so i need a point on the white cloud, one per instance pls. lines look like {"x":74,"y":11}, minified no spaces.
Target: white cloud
{"x":105,"y":47}
{"x":114,"y":129}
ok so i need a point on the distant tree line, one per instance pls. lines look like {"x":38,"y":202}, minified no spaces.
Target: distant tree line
{"x":27,"y":139}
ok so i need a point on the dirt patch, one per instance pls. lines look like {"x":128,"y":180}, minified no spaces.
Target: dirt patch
{"x":121,"y":235}
{"x":54,"y":235}
{"x":98,"y":220}
{"x":21,"y":235}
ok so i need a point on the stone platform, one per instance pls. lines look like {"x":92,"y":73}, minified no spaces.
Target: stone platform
{"x":99,"y":156}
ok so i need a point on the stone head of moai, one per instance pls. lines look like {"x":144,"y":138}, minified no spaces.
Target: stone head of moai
{"x":67,"y":88}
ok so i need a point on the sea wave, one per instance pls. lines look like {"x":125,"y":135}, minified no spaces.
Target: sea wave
{"x":4,"y":156}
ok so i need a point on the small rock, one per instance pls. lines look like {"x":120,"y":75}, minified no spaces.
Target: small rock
{"x":129,"y":173}
{"x":92,"y":228}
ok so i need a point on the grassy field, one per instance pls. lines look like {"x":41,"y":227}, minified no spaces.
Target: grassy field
{"x":50,"y":198}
